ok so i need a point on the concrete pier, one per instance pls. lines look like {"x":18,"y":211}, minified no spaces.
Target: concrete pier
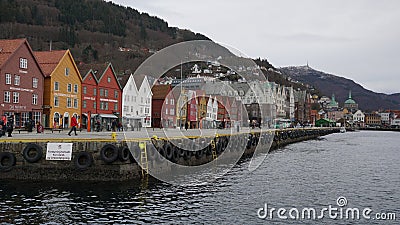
{"x":98,"y":157}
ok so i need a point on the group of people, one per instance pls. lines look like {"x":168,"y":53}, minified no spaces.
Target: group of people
{"x":6,"y":125}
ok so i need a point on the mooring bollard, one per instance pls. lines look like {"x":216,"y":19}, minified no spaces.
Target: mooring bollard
{"x":114,"y":136}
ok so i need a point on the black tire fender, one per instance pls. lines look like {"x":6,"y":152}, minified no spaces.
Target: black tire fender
{"x":7,"y":165}
{"x":124,"y":153}
{"x":109,"y":153}
{"x":27,"y":153}
{"x":83,"y":160}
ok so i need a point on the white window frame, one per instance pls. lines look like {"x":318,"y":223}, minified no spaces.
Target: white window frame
{"x":35,"y":82}
{"x":67,"y":71}
{"x":69,"y":88}
{"x":7,"y":97}
{"x":23,"y":63}
{"x":69,"y":103}
{"x":56,"y":101}
{"x":8,"y":78}
{"x":56,"y":86}
{"x":84,"y":90}
{"x":35,"y":99}
{"x":76,"y":103}
{"x":17,"y":80}
{"x":75,"y":88}
{"x":15,"y":97}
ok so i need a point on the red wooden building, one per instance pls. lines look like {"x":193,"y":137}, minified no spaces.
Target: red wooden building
{"x":103,"y":95}
{"x":163,"y":106}
{"x":21,"y":82}
{"x":89,"y":99}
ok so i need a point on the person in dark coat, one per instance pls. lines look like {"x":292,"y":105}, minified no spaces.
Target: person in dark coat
{"x":186,"y":126}
{"x":113,"y":125}
{"x":10,"y":126}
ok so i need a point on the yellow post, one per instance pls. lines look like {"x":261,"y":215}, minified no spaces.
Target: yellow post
{"x":114,"y":136}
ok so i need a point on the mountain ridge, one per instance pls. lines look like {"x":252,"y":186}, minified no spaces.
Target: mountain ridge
{"x":329,"y":84}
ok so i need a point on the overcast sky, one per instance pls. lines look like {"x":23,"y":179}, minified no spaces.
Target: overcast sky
{"x":356,"y":39}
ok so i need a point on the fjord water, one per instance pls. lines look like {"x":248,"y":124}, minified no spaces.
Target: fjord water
{"x":363,"y":167}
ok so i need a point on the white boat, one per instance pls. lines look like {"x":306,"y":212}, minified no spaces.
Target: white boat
{"x":342,"y":130}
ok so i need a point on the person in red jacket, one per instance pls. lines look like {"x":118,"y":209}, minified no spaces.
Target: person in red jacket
{"x":74,"y":123}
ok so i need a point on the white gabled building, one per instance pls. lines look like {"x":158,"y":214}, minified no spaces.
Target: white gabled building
{"x":136,"y":103}
{"x":359,"y":117}
{"x":144,"y":102}
{"x":130,"y":108}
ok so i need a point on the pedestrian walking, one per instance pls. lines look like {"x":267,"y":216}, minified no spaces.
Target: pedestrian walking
{"x":74,"y":123}
{"x":186,"y":126}
{"x":114,"y":125}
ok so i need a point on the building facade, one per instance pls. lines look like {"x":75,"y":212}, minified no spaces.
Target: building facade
{"x":21,"y":82}
{"x":62,"y":88}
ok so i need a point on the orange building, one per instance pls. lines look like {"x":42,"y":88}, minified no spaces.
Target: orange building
{"x":62,"y":88}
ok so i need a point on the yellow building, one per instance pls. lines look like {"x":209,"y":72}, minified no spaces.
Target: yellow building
{"x":181,"y":109}
{"x":62,"y":88}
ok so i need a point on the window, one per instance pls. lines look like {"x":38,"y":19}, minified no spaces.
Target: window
{"x":94,"y":91}
{"x":69,"y":87}
{"x":75,"y":88}
{"x":56,"y":86}
{"x":94,"y":105}
{"x":101,"y":92}
{"x":34,"y":99}
{"x":108,"y":79}
{"x":7,"y":96}
{"x":17,"y":80}
{"x":15,"y":97}
{"x":101,"y":105}
{"x":24,"y":118}
{"x":105,"y":93}
{"x":69,"y":103}
{"x":66,"y":71}
{"x":131,"y":109}
{"x":84,"y":104}
{"x":35,"y":82}
{"x":134,"y":98}
{"x":8,"y":78}
{"x":166,"y":101}
{"x":172,"y":112}
{"x":115,"y":94}
{"x":106,"y":105}
{"x":146,"y":110}
{"x":23,"y":63}
{"x":116,"y":106}
{"x":75,"y":103}
{"x":36,"y":117}
{"x":56,"y":102}
{"x":126,"y":108}
{"x":84,"y":90}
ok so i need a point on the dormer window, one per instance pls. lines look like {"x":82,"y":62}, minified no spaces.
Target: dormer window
{"x":108,"y":79}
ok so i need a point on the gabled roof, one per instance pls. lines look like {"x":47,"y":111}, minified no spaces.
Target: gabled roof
{"x":99,"y":77}
{"x":49,"y":60}
{"x":87,"y":75}
{"x":9,"y":47}
{"x":160,"y":91}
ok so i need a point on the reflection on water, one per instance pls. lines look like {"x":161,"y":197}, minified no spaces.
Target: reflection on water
{"x":361,"y":166}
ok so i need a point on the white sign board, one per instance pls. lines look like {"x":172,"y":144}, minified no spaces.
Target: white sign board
{"x":59,"y":151}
